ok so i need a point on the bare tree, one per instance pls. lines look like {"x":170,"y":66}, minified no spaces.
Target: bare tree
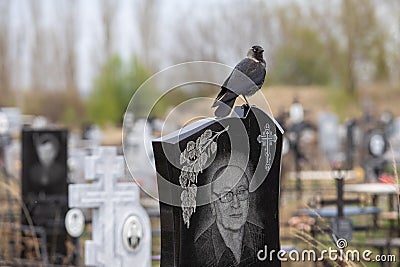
{"x":36,"y":56}
{"x":70,"y":46}
{"x":108,"y":12}
{"x":5,"y":62}
{"x":364,"y":39}
{"x":147,"y":12}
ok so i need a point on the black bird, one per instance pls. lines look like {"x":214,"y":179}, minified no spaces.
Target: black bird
{"x":246,"y":79}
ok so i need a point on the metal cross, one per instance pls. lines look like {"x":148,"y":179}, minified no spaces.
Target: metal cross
{"x":266,"y":139}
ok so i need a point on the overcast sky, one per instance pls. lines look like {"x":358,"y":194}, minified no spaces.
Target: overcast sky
{"x":172,"y":14}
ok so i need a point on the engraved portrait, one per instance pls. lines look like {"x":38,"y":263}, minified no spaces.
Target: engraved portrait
{"x":231,"y":239}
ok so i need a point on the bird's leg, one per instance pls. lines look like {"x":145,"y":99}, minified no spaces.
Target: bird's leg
{"x":246,"y":107}
{"x":247,"y":102}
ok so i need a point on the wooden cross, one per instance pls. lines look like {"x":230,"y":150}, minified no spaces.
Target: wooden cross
{"x":266,"y":139}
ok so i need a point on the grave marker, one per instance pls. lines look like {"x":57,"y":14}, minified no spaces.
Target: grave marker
{"x":13,"y":116}
{"x":139,"y":155}
{"x":44,"y":185}
{"x":5,"y":136}
{"x":121,"y":234}
{"x":328,"y":138}
{"x":215,"y":177}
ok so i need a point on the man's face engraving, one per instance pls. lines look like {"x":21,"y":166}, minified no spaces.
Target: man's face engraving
{"x":232,"y":206}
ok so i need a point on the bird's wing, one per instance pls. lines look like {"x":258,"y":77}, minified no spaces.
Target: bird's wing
{"x":245,"y":75}
{"x":223,"y":91}
{"x":225,"y":95}
{"x":254,"y":70}
{"x":220,"y":95}
{"x":224,"y":104}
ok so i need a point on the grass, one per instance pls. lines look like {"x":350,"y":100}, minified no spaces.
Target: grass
{"x":289,"y":203}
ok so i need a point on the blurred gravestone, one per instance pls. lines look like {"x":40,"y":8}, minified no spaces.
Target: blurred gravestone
{"x":7,"y":211}
{"x":12,"y":155}
{"x":40,"y":122}
{"x":375,"y":145}
{"x":10,"y":125}
{"x":328,"y":129}
{"x":296,"y":112}
{"x":76,"y":165}
{"x":93,"y":136}
{"x":44,"y":186}
{"x":14,"y":119}
{"x":5,"y":136}
{"x":121,"y":233}
{"x":350,"y":144}
{"x":139,"y":155}
{"x":218,"y":177}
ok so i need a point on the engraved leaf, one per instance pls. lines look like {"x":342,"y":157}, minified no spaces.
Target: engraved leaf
{"x":185,"y":154}
{"x":188,"y":197}
{"x":187,"y":213}
{"x":198,"y":145}
{"x":203,"y":159}
{"x":184,"y":198}
{"x":182,"y":158}
{"x":192,"y":177}
{"x":207,"y":134}
{"x":195,"y":156}
{"x":183,"y":179}
{"x":192,"y":191}
{"x":190,"y":168}
{"x":214,"y":147}
{"x":197,"y":166}
{"x":202,"y":140}
{"x":190,"y":145}
{"x":191,"y":150}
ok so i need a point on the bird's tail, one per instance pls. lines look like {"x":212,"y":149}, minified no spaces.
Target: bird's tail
{"x":225,"y":104}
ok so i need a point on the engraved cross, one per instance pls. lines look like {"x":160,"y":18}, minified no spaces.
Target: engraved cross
{"x":266,"y":139}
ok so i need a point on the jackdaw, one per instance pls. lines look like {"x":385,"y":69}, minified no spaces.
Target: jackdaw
{"x":246,"y":79}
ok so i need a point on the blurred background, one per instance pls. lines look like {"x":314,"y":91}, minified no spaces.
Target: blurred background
{"x":80,"y":61}
{"x":333,"y":83}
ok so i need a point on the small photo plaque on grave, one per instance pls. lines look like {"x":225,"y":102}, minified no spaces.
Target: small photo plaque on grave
{"x":75,"y":222}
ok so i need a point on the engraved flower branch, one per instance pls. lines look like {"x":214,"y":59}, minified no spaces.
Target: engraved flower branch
{"x":194,"y":159}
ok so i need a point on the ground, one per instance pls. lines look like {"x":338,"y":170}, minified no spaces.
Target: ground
{"x":315,"y":99}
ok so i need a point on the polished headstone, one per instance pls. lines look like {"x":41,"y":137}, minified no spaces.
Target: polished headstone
{"x":216,"y":178}
{"x":44,"y":185}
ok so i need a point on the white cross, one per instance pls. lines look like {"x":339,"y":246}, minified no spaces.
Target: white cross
{"x":112,"y":203}
{"x":266,"y":139}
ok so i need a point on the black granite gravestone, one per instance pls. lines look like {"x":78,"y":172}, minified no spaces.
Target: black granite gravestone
{"x":45,"y":188}
{"x":218,"y":182}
